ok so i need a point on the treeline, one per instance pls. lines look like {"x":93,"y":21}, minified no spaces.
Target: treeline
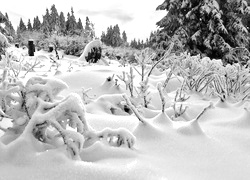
{"x":113,"y":37}
{"x":55,"y":23}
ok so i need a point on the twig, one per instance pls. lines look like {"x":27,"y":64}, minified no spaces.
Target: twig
{"x":132,"y":107}
{"x":202,"y":112}
{"x":163,"y":99}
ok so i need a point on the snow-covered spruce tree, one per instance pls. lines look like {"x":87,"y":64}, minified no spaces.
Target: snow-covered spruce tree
{"x":38,"y":112}
{"x":212,"y":27}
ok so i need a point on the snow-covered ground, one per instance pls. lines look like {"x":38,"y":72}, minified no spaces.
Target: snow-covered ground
{"x":215,"y":147}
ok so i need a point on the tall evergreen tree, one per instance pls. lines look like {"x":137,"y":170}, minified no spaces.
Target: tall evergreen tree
{"x":124,"y":37}
{"x":103,"y":37}
{"x":213,"y":27}
{"x":8,"y":26}
{"x":29,"y":26}
{"x":3,"y":19}
{"x":62,"y":23}
{"x":54,"y":19}
{"x":36,"y":24}
{"x":46,"y":20}
{"x":22,"y":26}
{"x":79,"y":25}
{"x":113,"y":37}
{"x":71,"y":24}
{"x":67,"y":24}
{"x":117,"y":41}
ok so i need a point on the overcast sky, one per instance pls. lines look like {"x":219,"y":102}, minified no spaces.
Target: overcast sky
{"x":136,"y":17}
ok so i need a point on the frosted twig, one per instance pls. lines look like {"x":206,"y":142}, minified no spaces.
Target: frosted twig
{"x":202,"y":112}
{"x":132,"y":107}
{"x":166,"y":55}
{"x":163,"y":99}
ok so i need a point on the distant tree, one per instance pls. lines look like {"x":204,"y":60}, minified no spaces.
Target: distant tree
{"x":54,"y":19}
{"x":103,"y":37}
{"x":79,"y":25}
{"x":22,"y":26}
{"x":29,"y":26}
{"x":113,"y":36}
{"x":89,"y":29}
{"x":45,"y":25}
{"x":36,"y":24}
{"x":147,"y":43}
{"x":117,"y":40}
{"x":133,"y":43}
{"x":62,"y":23}
{"x":124,"y":37}
{"x":67,"y":23}
{"x":71,"y":24}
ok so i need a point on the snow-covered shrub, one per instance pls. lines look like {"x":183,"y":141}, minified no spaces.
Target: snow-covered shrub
{"x":37,"y":110}
{"x":128,"y":79}
{"x":232,"y":81}
{"x":92,"y":51}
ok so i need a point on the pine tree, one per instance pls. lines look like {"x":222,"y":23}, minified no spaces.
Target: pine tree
{"x":8,"y":26}
{"x":29,"y":26}
{"x":103,"y":37}
{"x":36,"y":24}
{"x":22,"y":26}
{"x":62,"y":23}
{"x":113,"y":36}
{"x":3,"y":19}
{"x":117,"y":41}
{"x":71,"y":24}
{"x":67,"y":24}
{"x":124,"y":37}
{"x":213,"y":27}
{"x":79,"y":25}
{"x":54,"y":19}
{"x":45,"y":25}
{"x":87,"y":28}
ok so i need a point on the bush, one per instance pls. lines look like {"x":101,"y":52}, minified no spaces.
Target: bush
{"x":126,"y":54}
{"x":72,"y":45}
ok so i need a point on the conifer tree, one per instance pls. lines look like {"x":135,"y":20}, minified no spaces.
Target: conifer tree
{"x":71,"y":24}
{"x":212,"y":27}
{"x":103,"y":37}
{"x":54,"y":19}
{"x":67,"y":24}
{"x":36,"y":24}
{"x":29,"y":26}
{"x":8,"y":26}
{"x":62,"y":23}
{"x":79,"y":25}
{"x":124,"y":37}
{"x":117,"y":41}
{"x":46,"y":20}
{"x":22,"y":26}
{"x":3,"y":19}
{"x":87,"y":28}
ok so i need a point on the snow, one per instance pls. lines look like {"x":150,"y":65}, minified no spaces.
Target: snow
{"x":216,"y":146}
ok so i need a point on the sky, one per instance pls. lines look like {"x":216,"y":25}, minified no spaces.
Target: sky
{"x":136,"y":17}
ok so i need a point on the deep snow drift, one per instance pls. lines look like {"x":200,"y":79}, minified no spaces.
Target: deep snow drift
{"x":214,"y":147}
